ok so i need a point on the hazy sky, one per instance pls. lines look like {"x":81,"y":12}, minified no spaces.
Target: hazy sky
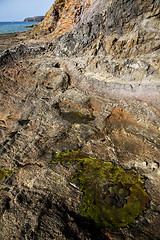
{"x":18,"y":10}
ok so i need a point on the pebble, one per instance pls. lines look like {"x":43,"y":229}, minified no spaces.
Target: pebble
{"x":145,"y":164}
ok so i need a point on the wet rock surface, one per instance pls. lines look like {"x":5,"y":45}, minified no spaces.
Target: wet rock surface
{"x":96,"y":90}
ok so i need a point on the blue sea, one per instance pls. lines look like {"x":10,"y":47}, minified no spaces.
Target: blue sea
{"x":12,"y":27}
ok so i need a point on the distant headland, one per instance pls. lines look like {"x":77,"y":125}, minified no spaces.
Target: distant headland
{"x":34,"y":19}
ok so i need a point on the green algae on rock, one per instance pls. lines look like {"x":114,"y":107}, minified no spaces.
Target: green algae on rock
{"x":5,"y":173}
{"x":1,"y":174}
{"x":77,"y":117}
{"x":112,"y":196}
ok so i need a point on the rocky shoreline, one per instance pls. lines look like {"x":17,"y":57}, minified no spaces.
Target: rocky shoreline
{"x":70,"y":109}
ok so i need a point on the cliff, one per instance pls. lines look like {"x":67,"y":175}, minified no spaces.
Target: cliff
{"x":34,"y":19}
{"x":61,"y":17}
{"x":80,"y":124}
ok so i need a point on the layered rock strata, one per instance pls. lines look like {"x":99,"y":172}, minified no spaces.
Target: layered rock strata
{"x":94,"y":89}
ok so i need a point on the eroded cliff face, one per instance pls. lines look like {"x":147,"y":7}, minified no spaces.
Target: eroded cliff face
{"x":80,"y":98}
{"x":62,"y":17}
{"x":119,"y":41}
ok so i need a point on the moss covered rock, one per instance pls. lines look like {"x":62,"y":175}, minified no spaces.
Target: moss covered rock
{"x":77,"y":117}
{"x":5,"y":173}
{"x":112,"y":196}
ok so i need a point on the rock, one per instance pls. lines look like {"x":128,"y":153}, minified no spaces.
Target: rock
{"x":51,"y":18}
{"x":61,"y":17}
{"x":34,"y":19}
{"x":87,"y":80}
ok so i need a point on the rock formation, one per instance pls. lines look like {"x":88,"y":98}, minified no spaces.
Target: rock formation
{"x":34,"y":19}
{"x":80,"y":111}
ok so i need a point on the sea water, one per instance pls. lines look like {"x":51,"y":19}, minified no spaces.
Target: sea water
{"x":11,"y":27}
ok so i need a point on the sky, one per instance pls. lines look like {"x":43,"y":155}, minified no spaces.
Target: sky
{"x":18,"y":10}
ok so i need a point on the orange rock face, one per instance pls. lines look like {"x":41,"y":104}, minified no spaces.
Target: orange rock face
{"x":61,"y":17}
{"x":71,"y":12}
